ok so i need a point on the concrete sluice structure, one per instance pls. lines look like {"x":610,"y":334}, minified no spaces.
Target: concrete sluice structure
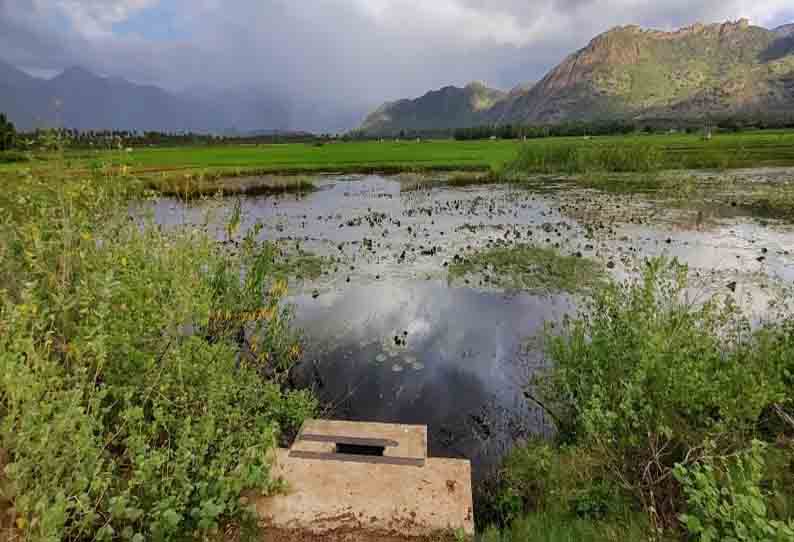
{"x":356,"y":481}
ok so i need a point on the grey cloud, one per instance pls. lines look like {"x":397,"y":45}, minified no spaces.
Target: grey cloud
{"x":335,"y":59}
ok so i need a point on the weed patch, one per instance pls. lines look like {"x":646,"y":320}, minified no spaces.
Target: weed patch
{"x":526,"y":267}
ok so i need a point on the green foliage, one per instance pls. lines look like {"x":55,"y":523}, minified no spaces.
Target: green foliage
{"x":644,"y":378}
{"x":532,"y":268}
{"x":725,"y":500}
{"x":540,"y":476}
{"x":130,"y":411}
{"x":7,"y":133}
{"x":660,"y":405}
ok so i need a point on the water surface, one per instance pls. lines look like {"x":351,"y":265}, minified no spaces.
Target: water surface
{"x":390,"y":339}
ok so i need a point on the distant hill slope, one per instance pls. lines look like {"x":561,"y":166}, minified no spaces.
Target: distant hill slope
{"x":629,"y":72}
{"x":79,"y":99}
{"x":449,"y":107}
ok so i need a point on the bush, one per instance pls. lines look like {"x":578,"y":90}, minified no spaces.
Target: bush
{"x":725,"y":500}
{"x":644,"y":379}
{"x":130,"y":411}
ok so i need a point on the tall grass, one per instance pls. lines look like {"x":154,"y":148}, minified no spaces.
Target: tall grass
{"x":626,"y":155}
{"x":561,"y":527}
{"x":187,"y":186}
{"x":588,"y":157}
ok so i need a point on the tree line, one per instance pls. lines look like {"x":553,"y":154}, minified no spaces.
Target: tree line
{"x":622,"y":127}
{"x":127,"y":138}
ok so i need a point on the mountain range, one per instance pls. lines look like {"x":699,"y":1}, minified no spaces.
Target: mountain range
{"x":626,"y":73}
{"x":79,"y":99}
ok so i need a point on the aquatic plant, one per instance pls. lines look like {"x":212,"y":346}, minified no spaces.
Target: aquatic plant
{"x":528,"y":267}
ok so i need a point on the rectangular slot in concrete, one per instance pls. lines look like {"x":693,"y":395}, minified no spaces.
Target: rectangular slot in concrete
{"x":359,"y":449}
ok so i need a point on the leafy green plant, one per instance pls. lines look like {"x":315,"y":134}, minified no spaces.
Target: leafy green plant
{"x":644,"y":378}
{"x":133,"y":406}
{"x":725,"y":500}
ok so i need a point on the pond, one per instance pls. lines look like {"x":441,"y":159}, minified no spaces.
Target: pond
{"x":390,"y":338}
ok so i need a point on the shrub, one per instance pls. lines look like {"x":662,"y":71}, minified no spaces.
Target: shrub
{"x":725,"y":500}
{"x":129,"y":410}
{"x":645,"y":378}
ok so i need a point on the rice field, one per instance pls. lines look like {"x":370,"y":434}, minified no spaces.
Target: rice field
{"x":746,"y":149}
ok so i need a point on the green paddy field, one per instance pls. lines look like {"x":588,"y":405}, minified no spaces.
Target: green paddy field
{"x":676,"y":151}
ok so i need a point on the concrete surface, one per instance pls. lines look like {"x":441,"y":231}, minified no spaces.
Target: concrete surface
{"x":402,"y":494}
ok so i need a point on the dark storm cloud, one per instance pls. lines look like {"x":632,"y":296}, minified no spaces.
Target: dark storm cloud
{"x":334,"y":58}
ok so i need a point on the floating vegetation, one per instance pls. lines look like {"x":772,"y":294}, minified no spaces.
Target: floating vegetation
{"x":527,"y":267}
{"x":299,"y":265}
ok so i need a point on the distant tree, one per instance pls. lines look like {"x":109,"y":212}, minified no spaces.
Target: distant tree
{"x":7,"y":133}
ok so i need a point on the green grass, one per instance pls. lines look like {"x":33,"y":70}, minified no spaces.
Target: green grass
{"x":616,"y":153}
{"x":526,"y":267}
{"x":584,"y":157}
{"x":357,"y":157}
{"x":560,"y":527}
{"x":647,"y":154}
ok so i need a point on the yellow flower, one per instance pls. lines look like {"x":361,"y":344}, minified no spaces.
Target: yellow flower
{"x":295,"y":352}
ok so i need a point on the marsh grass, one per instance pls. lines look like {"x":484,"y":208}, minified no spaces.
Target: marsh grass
{"x":412,"y":181}
{"x":537,"y":269}
{"x":464,"y":179}
{"x":627,"y":155}
{"x":587,"y":157}
{"x":188,"y":187}
{"x":772,"y":201}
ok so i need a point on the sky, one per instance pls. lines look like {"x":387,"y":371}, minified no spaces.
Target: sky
{"x":333,"y":59}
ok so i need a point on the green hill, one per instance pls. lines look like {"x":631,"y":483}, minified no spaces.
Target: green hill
{"x":449,"y":107}
{"x":631,"y":72}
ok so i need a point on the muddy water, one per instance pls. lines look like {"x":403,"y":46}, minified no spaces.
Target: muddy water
{"x":391,"y":339}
